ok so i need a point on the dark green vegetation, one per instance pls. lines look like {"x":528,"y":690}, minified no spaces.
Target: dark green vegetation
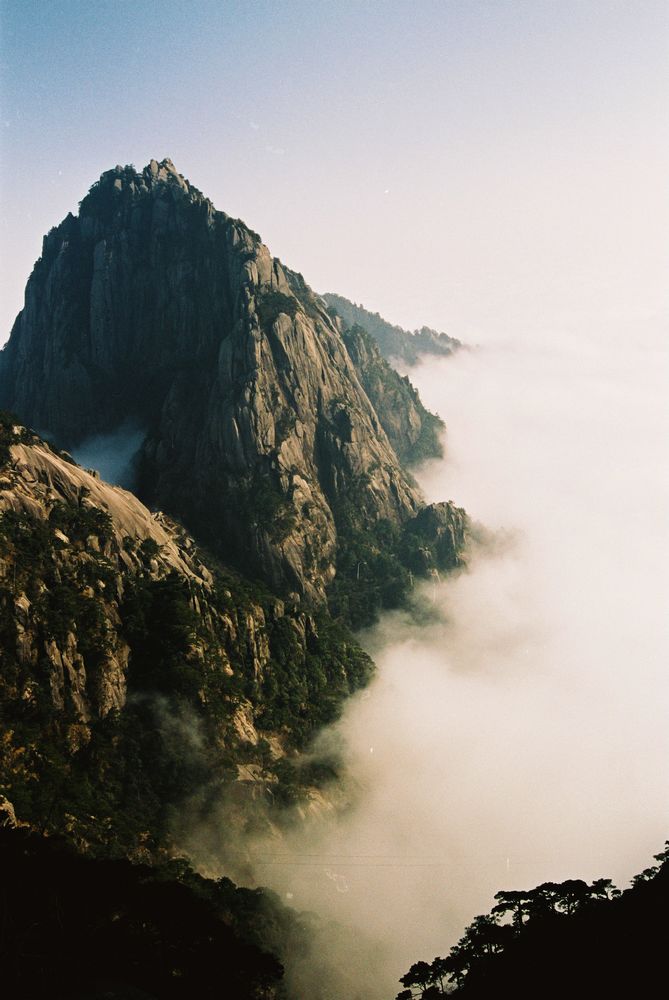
{"x":271,"y":304}
{"x":560,"y":941}
{"x":116,"y":783}
{"x":75,"y":928}
{"x":8,"y":436}
{"x":394,"y":342}
{"x":381,"y":565}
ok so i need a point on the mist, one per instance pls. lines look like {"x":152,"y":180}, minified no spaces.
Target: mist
{"x":521,"y":736}
{"x":113,"y":455}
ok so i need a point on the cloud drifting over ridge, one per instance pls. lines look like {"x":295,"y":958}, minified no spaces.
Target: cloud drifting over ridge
{"x":523,"y":737}
{"x":113,"y":455}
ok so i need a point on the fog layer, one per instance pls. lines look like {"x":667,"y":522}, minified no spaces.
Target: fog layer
{"x":113,"y":455}
{"x":523,"y":738}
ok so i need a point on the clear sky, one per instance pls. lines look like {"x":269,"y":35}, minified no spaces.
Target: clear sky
{"x":482,"y":167}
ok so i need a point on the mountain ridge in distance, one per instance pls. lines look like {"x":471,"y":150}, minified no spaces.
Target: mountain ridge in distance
{"x":395,"y":343}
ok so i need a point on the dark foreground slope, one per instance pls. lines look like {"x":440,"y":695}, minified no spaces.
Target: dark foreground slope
{"x":560,"y":941}
{"x":151,"y":305}
{"x":75,"y":928}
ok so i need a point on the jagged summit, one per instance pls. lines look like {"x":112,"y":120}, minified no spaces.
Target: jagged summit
{"x":155,"y":173}
{"x":155,"y":170}
{"x":153,"y":305}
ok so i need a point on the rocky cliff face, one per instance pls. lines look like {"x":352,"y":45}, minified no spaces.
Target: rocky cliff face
{"x":128,"y":662}
{"x":413,"y":431}
{"x":153,"y":305}
{"x":144,"y":682}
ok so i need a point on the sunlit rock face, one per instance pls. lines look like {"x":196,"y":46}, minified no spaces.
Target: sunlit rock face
{"x":126,"y":651}
{"x":153,"y":306}
{"x":94,"y":541}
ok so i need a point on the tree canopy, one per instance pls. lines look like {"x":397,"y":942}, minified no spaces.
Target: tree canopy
{"x":564,"y":940}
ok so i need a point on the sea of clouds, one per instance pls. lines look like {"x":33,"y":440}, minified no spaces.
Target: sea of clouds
{"x":520,"y":736}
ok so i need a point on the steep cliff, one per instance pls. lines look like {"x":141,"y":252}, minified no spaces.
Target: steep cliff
{"x":413,"y":431}
{"x":148,"y":679}
{"x":153,"y":305}
{"x":394,"y":343}
{"x":132,"y":673}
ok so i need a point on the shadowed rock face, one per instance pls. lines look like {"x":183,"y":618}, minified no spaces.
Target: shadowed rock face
{"x":152,"y":305}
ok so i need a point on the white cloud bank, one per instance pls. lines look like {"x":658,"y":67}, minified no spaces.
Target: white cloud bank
{"x":113,"y":455}
{"x":524,"y":738}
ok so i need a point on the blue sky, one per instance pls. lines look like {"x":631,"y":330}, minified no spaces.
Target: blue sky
{"x":478,"y":166}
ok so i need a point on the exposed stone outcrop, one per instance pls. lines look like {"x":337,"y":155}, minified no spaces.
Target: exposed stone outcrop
{"x":109,"y":614}
{"x":7,"y":813}
{"x":121,"y":540}
{"x":439,"y":532}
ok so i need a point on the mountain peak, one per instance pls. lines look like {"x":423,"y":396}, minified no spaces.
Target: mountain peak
{"x":155,"y":169}
{"x":165,"y":171}
{"x":133,"y":181}
{"x":152,"y":306}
